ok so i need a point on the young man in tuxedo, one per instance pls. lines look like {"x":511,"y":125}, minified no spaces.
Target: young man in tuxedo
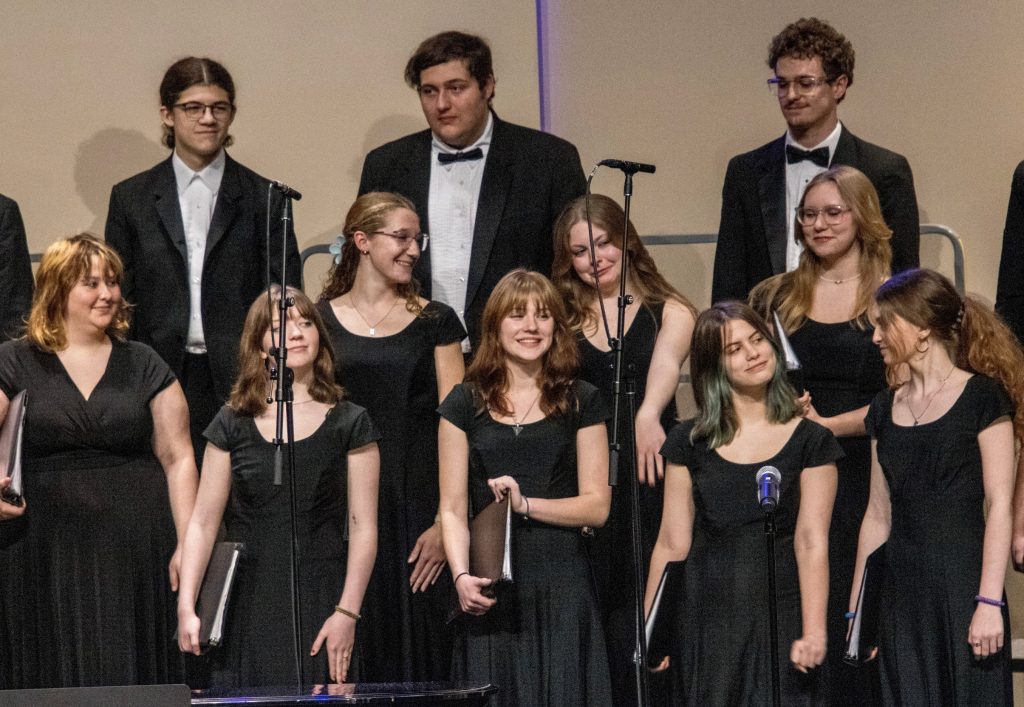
{"x":813,"y":69}
{"x":487,"y":191}
{"x":192,"y":233}
{"x":15,"y":271}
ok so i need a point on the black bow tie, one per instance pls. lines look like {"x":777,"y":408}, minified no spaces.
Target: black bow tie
{"x":818,"y":156}
{"x":475,"y":154}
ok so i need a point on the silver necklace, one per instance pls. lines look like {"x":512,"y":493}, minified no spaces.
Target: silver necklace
{"x":372,"y":327}
{"x":517,"y":425}
{"x":917,"y":418}
{"x":841,"y":281}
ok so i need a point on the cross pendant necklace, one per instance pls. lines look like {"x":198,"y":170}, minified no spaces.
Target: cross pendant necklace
{"x":517,"y":425}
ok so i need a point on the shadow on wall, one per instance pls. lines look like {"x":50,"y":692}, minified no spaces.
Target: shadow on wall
{"x":106,"y":158}
{"x":388,"y":128}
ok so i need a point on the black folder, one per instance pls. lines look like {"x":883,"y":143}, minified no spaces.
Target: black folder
{"x":863,"y":638}
{"x":490,"y":549}
{"x":661,"y":619}
{"x":215,"y":593}
{"x":10,"y":447}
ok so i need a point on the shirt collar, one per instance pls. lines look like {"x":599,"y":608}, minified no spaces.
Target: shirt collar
{"x":211,"y":175}
{"x":483,"y":142}
{"x":830,"y":142}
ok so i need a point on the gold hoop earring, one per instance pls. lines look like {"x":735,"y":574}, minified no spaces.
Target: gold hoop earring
{"x":918,"y":348}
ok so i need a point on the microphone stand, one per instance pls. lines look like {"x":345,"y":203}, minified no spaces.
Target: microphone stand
{"x":615,"y":447}
{"x":284,"y":414}
{"x":773,"y":609}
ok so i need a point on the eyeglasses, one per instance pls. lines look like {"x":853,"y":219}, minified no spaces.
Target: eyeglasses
{"x":803,"y":85}
{"x":832,"y":215}
{"x":403,"y":239}
{"x":195,"y":110}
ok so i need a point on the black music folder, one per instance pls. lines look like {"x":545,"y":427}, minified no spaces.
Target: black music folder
{"x":490,"y":549}
{"x":215,"y":592}
{"x":863,"y":638}
{"x":661,"y":619}
{"x":10,"y":447}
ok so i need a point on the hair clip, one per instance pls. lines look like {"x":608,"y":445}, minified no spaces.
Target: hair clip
{"x":335,"y":248}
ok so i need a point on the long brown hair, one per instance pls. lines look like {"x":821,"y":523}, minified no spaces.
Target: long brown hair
{"x":368,"y":214}
{"x":249,"y":394}
{"x":488,"y":371}
{"x":63,"y":266}
{"x":792,"y":293}
{"x":606,"y":214}
{"x":975,"y":337}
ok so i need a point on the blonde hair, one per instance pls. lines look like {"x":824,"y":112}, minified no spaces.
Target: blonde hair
{"x":63,"y":266}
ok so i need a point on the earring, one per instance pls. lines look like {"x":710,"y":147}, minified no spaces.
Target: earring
{"x":365,"y":252}
{"x":926,"y":343}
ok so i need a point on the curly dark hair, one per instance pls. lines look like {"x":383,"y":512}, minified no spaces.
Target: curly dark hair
{"x":449,"y":46}
{"x":810,"y":37}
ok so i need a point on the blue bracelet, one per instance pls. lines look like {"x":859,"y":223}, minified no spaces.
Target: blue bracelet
{"x":991,"y":602}
{"x":850,"y":615}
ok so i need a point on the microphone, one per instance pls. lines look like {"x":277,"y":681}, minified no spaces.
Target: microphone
{"x":768,"y":480}
{"x":628,"y":167}
{"x":287,"y":190}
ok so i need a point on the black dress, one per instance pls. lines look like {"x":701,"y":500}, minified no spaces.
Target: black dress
{"x":843,"y":371}
{"x":542,"y":643}
{"x":934,"y":553}
{"x":404,"y":635}
{"x":611,"y":547}
{"x":724,"y":651}
{"x":85,"y":596}
{"x":259,"y":645}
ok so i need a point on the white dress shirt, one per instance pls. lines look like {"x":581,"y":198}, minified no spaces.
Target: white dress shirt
{"x":197,"y":197}
{"x":451,"y":211}
{"x":797,"y":177}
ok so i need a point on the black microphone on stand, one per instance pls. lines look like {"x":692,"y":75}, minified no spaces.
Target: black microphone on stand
{"x":628,"y":167}
{"x":287,"y":190}
{"x":768,"y":480}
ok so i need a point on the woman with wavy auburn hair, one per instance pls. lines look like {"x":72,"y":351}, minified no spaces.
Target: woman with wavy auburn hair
{"x":523,"y":429}
{"x":336,"y":475}
{"x":109,"y":484}
{"x":942,"y":476}
{"x":747,"y":420}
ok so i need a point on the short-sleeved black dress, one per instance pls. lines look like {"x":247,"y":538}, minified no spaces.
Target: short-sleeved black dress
{"x":258,"y":646}
{"x":611,"y":547}
{"x":542,"y":643}
{"x":724,"y":651}
{"x":85,"y":597}
{"x":843,"y":370}
{"x":934,"y":553}
{"x":404,"y":636}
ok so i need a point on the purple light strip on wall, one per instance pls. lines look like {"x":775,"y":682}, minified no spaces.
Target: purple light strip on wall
{"x":542,"y":84}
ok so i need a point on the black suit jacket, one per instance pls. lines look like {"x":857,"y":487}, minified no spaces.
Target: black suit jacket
{"x":752,"y":231}
{"x":144,"y":225}
{"x":15,"y":271}
{"x":529,"y":178}
{"x":1010,"y":289}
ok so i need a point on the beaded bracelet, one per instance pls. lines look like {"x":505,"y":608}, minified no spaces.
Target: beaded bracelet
{"x":991,"y":602}
{"x":351,"y":614}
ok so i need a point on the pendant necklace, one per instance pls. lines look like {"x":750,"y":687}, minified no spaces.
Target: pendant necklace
{"x":372,"y":327}
{"x":517,"y":425}
{"x":917,"y":418}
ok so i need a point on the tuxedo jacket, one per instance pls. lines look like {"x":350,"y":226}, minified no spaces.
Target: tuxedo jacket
{"x":528,"y":179}
{"x":15,"y":271}
{"x":753,"y":228}
{"x":144,"y":224}
{"x":1010,"y":288}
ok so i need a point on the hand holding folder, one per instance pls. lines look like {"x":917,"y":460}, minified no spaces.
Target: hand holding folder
{"x":10,"y":450}
{"x":490,"y":549}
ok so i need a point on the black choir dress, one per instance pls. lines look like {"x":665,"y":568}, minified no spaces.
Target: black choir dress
{"x":724,"y":651}
{"x":404,"y":635}
{"x":85,"y":596}
{"x":258,"y":646}
{"x":843,"y":370}
{"x":934,"y":554}
{"x":542,"y":643}
{"x":610,"y":548}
